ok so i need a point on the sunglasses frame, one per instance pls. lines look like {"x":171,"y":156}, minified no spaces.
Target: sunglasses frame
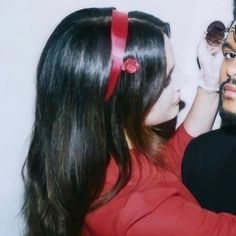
{"x":232,"y":28}
{"x":215,"y":27}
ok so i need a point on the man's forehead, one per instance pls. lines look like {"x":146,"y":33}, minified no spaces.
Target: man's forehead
{"x":233,"y":24}
{"x":230,"y":39}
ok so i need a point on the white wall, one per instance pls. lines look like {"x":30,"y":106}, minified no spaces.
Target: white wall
{"x":24,"y":28}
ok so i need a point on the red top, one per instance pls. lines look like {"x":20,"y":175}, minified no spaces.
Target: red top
{"x":155,"y":202}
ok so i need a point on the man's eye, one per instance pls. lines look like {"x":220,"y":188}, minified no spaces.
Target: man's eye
{"x":230,"y":55}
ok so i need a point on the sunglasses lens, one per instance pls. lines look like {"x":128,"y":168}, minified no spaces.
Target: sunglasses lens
{"x":215,"y":33}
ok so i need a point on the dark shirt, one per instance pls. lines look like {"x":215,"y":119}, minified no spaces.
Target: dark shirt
{"x":209,"y":169}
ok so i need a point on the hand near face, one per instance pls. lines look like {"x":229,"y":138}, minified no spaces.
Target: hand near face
{"x":210,"y":60}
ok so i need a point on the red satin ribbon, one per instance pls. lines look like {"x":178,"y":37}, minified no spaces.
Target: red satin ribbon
{"x":119,"y":32}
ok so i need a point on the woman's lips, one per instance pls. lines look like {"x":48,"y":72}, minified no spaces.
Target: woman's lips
{"x":177,"y":101}
{"x":230,"y":91}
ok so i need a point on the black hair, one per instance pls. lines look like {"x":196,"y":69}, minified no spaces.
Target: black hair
{"x":76,"y":132}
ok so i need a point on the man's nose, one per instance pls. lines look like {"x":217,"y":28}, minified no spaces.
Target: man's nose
{"x":231,"y":69}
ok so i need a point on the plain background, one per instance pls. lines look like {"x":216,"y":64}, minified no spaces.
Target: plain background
{"x":24,"y":29}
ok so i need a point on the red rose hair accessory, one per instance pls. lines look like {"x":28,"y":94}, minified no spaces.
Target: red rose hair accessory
{"x":130,"y":65}
{"x":119,"y":32}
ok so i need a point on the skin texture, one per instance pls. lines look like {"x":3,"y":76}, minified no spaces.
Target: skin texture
{"x":228,"y":72}
{"x":202,"y":113}
{"x":167,"y":106}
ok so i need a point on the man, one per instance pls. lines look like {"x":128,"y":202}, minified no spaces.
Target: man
{"x":209,"y":164}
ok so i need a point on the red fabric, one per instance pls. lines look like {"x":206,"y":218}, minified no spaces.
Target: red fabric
{"x":119,"y":32}
{"x":156,"y":202}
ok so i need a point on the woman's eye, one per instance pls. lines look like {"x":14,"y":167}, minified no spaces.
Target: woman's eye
{"x":230,"y":55}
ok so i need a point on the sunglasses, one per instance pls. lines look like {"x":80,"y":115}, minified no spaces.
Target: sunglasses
{"x":216,"y":33}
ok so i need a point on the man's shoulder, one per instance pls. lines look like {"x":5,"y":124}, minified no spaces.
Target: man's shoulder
{"x":221,"y":136}
{"x":210,"y":137}
{"x":217,"y":143}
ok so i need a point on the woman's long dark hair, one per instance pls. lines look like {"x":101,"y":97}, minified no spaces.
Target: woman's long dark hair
{"x":75,"y":132}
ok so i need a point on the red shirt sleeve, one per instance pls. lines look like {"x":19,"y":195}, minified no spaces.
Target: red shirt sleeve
{"x":174,"y":149}
{"x":175,"y":216}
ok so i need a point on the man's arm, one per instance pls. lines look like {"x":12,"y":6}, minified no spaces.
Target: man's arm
{"x":202,"y":113}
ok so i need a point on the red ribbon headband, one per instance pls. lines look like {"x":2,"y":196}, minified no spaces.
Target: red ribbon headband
{"x":119,"y":32}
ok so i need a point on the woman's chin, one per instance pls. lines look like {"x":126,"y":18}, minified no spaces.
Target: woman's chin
{"x":175,"y":113}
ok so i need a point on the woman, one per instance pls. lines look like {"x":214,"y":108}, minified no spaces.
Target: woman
{"x":96,"y":165}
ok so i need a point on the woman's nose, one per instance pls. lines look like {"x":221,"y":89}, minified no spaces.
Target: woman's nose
{"x":177,"y":79}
